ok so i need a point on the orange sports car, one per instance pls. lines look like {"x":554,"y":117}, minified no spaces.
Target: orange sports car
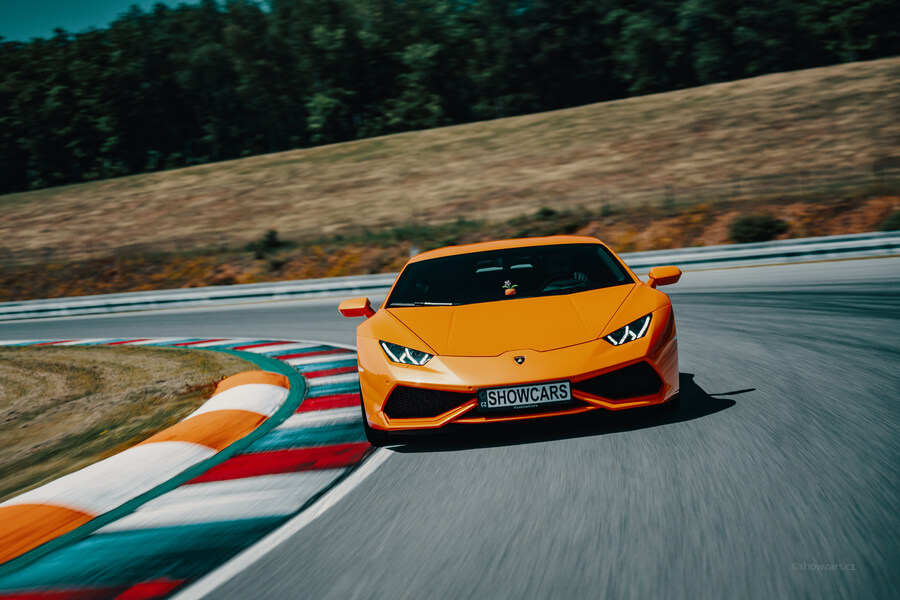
{"x":514,"y":329}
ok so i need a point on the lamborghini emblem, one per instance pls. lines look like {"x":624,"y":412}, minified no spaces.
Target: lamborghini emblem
{"x":519,"y":360}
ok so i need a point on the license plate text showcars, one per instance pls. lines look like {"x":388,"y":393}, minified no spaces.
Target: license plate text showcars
{"x":513,"y":397}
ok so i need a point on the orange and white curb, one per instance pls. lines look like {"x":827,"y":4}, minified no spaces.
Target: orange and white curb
{"x":240,"y":404}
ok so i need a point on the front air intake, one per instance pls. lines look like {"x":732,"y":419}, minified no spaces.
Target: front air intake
{"x":417,"y":403}
{"x":635,"y":380}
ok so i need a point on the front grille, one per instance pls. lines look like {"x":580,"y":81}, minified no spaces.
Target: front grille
{"x":635,"y":380}
{"x":416,"y":403}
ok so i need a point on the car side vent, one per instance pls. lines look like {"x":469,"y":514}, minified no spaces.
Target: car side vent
{"x":416,"y":403}
{"x":635,"y":380}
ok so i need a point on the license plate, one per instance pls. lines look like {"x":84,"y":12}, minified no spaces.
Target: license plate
{"x":523,"y":396}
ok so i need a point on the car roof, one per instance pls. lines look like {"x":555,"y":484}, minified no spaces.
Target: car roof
{"x":503,"y":244}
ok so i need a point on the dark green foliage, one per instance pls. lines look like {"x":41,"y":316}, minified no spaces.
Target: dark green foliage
{"x":546,"y":213}
{"x":423,"y":236}
{"x":217,"y":80}
{"x":892,"y":223}
{"x":548,"y":221}
{"x":267,"y":244}
{"x":755,"y":228}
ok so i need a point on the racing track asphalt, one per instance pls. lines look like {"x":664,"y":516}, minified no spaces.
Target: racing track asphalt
{"x":778,"y":477}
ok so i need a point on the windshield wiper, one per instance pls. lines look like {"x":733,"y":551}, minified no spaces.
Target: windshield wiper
{"x":422,"y":303}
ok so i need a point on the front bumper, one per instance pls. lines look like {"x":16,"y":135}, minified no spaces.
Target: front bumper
{"x":463,"y":376}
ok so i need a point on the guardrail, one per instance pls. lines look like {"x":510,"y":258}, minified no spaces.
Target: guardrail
{"x":707,"y":257}
{"x":763,"y":253}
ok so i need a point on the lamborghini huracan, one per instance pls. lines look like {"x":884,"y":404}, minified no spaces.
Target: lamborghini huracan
{"x":514,"y":329}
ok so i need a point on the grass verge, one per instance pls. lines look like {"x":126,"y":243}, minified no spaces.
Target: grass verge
{"x":63,"y":408}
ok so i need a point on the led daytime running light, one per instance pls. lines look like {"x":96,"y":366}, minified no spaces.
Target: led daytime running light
{"x":633,"y":331}
{"x":405,"y":356}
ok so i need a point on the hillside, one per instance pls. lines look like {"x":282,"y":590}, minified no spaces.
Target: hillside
{"x":807,"y":131}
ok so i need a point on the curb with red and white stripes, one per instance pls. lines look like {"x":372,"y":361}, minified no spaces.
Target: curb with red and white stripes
{"x":176,"y":538}
{"x":240,"y":404}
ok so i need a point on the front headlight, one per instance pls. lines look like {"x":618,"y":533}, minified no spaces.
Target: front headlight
{"x":632,"y":331}
{"x":404,"y":355}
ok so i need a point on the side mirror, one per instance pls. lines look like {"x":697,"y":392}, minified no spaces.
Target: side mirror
{"x":664,"y":276}
{"x":356,"y":307}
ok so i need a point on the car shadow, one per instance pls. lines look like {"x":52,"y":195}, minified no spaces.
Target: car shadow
{"x":695,"y":404}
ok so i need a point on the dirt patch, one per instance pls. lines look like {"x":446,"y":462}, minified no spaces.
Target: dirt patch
{"x":63,"y":408}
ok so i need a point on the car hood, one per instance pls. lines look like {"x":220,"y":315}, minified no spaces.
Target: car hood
{"x":492,"y":328}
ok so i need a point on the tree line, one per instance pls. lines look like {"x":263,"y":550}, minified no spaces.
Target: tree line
{"x":211,"y":81}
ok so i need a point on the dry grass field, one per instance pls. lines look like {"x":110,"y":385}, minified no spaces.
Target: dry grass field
{"x":664,"y":148}
{"x":387,"y":251}
{"x":63,"y":408}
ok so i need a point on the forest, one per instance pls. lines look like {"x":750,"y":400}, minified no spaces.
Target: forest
{"x":212,"y":81}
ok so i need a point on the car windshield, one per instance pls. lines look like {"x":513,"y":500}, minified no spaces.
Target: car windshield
{"x":507,"y":274}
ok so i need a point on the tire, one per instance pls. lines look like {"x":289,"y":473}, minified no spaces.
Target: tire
{"x":376,"y":437}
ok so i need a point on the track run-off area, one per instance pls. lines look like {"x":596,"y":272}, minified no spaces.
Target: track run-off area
{"x":777,"y":478}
